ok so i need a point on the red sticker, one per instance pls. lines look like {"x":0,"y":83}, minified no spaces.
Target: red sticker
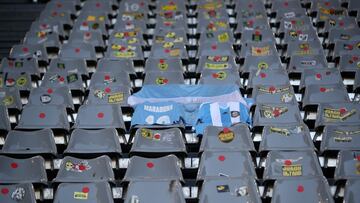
{"x":77,"y":50}
{"x":107,"y":77}
{"x":221,"y":158}
{"x":14,"y":165}
{"x":49,"y":91}
{"x":318,"y":76}
{"x":263,"y":75}
{"x":157,"y":136}
{"x":167,"y":51}
{"x":4,"y":191}
{"x":213,"y":47}
{"x":322,"y":89}
{"x":100,"y":115}
{"x":226,"y":130}
{"x":300,"y":188}
{"x":108,"y":90}
{"x":42,"y":115}
{"x":25,"y":49}
{"x":287,"y":162}
{"x":161,"y":61}
{"x":150,"y":164}
{"x":85,"y":190}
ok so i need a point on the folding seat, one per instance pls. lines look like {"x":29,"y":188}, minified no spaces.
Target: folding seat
{"x":221,"y":77}
{"x":83,"y":192}
{"x":338,"y":114}
{"x":48,"y":26}
{"x":74,"y":170}
{"x":330,"y":12}
{"x":70,"y":79}
{"x":23,"y":192}
{"x":276,"y":114}
{"x":113,"y":66}
{"x":254,"y":21}
{"x":25,"y":51}
{"x":350,"y":47}
{"x":68,"y":65}
{"x":216,"y":37}
{"x":163,"y":65}
{"x":351,"y":193}
{"x":30,"y":143}
{"x":290,"y":164}
{"x":229,"y":190}
{"x":279,"y":94}
{"x":103,"y":141}
{"x":349,"y":63}
{"x":221,"y":24}
{"x":78,"y":51}
{"x":38,"y":117}
{"x":97,"y":16}
{"x":287,"y":9}
{"x":304,"y":48}
{"x":99,"y":116}
{"x":112,"y":77}
{"x":31,"y":170}
{"x":216,"y":49}
{"x":10,"y":97}
{"x":343,"y":35}
{"x":118,"y":51}
{"x":348,"y":165}
{"x":22,"y":81}
{"x":249,"y":5}
{"x":211,"y":12}
{"x":340,"y":22}
{"x":163,"y":168}
{"x":257,"y":49}
{"x":320,"y":76}
{"x":217,"y":62}
{"x":302,"y":190}
{"x":5,"y":121}
{"x":48,"y":40}
{"x":235,"y":138}
{"x":131,"y":21}
{"x":64,"y":18}
{"x":125,"y":37}
{"x":170,"y":7}
{"x":357,"y":81}
{"x":337,"y":138}
{"x":171,"y":23}
{"x":286,"y":138}
{"x":90,"y":26}
{"x":164,"y":78}
{"x":317,"y":5}
{"x":134,"y":6}
{"x":300,"y":36}
{"x":109,"y":94}
{"x":271,"y":62}
{"x":158,"y":142}
{"x":268,"y":77}
{"x":59,"y":96}
{"x":300,"y":63}
{"x":165,"y":190}
{"x":95,"y":5}
{"x":89,"y":37}
{"x":232,"y":164}
{"x":29,"y":66}
{"x":63,"y":6}
{"x":295,"y":23}
{"x":257,"y":35}
{"x":163,"y":35}
{"x":169,"y":50}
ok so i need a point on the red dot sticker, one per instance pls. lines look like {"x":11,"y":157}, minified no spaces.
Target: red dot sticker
{"x":358,"y":157}
{"x":77,"y":50}
{"x":221,"y":158}
{"x":161,"y":61}
{"x":327,"y":3}
{"x":14,"y":165}
{"x":250,"y":5}
{"x":61,"y":79}
{"x":59,"y":5}
{"x":85,"y":24}
{"x":42,"y":115}
{"x":98,"y":5}
{"x":300,"y":188}
{"x":226,"y":130}
{"x":342,"y":110}
{"x":318,"y":76}
{"x":341,"y":23}
{"x":287,"y":162}
{"x":107,"y":77}
{"x":262,"y":75}
{"x":322,"y":89}
{"x":167,"y":51}
{"x":355,"y":58}
{"x":50,"y":91}
{"x":25,"y":49}
{"x":108,"y":90}
{"x":100,"y":115}
{"x":150,"y":164}
{"x":4,"y":191}
{"x":85,"y":190}
{"x":257,"y":32}
{"x":213,"y":47}
{"x":157,"y":136}
{"x":272,"y":89}
{"x":286,"y":4}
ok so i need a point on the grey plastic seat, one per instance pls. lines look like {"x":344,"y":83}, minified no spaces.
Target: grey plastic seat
{"x":74,"y":170}
{"x":90,"y":26}
{"x":118,"y":51}
{"x":68,"y":65}
{"x":317,"y":94}
{"x":95,"y":16}
{"x":164,"y":78}
{"x":89,"y":37}
{"x":31,"y":170}
{"x":295,"y":23}
{"x":172,"y":22}
{"x":169,"y":50}
{"x":10,"y":97}
{"x":163,"y":65}
{"x":234,"y":164}
{"x":103,"y":141}
{"x":78,"y":51}
{"x":5,"y":121}
{"x":83,"y":192}
{"x":18,"y":193}
{"x":22,"y":81}
{"x":348,"y":165}
{"x":30,"y":143}
{"x":171,"y":6}
{"x":48,"y":26}
{"x":274,"y":94}
{"x":338,"y":114}
{"x":107,"y":65}
{"x":271,"y":62}
{"x":94,"y":5}
{"x":99,"y":116}
{"x":351,"y":193}
{"x":300,"y":63}
{"x":302,"y":190}
{"x":109,"y":94}
{"x":63,"y":17}
{"x":336,"y":138}
{"x":317,"y":5}
{"x":349,"y":63}
{"x":276,"y":114}
{"x":257,"y":35}
{"x":220,"y":77}
{"x":25,"y":51}
{"x":144,"y":190}
{"x":216,"y":37}
{"x":60,"y":96}
{"x":346,"y":48}
{"x":286,"y":138}
{"x":324,"y":14}
{"x":235,"y":138}
{"x":211,"y":11}
{"x":341,"y":22}
{"x":216,"y":49}
{"x":127,"y":38}
{"x":131,"y":21}
{"x":300,"y":35}
{"x":163,"y":35}
{"x":252,"y":20}
{"x":229,"y":190}
{"x":343,"y":35}
{"x":304,"y":48}
{"x":277,"y":77}
{"x":165,"y":141}
{"x":113,"y":78}
{"x":212,"y":25}
{"x":219,"y":62}
{"x":29,"y":66}
{"x":320,"y":76}
{"x":70,"y":79}
{"x":49,"y":40}
{"x":61,"y":6}
{"x":257,"y":49}
{"x":38,"y":117}
{"x":291,"y":164}
{"x":164,"y":168}
{"x":133,"y":6}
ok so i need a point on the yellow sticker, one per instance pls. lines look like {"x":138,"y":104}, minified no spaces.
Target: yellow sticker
{"x":132,"y":41}
{"x":226,"y":135}
{"x":115,"y":98}
{"x":80,"y":195}
{"x":168,"y":45}
{"x":292,"y":170}
{"x":8,"y":100}
{"x":338,"y":114}
{"x":170,"y":35}
{"x":101,"y":18}
{"x":163,"y":66}
{"x":169,"y":8}
{"x":260,"y":51}
{"x":211,"y":6}
{"x":214,"y":66}
{"x":91,"y":18}
{"x":127,"y":54}
{"x":223,"y":37}
{"x":146,"y":133}
{"x":21,"y":81}
{"x":221,"y":24}
{"x":175,"y":52}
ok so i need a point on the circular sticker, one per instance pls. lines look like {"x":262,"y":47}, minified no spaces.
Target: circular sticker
{"x":287,"y":97}
{"x":21,"y":81}
{"x":235,"y":114}
{"x":161,"y":81}
{"x":226,"y":135}
{"x":163,"y":66}
{"x":8,"y":100}
{"x":99,"y":94}
{"x":221,"y":75}
{"x":45,"y":98}
{"x":263,"y":65}
{"x":168,"y":45}
{"x":170,"y":35}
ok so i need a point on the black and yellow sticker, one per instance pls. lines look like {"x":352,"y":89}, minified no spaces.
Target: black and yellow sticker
{"x":115,"y":98}
{"x":292,"y":170}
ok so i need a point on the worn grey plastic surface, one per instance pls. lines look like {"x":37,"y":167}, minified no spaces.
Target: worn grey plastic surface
{"x":10,"y":97}
{"x":320,"y":76}
{"x":110,"y":78}
{"x":271,"y":62}
{"x":25,"y":51}
{"x":337,"y":138}
{"x":68,"y":65}
{"x":60,"y":96}
{"x":29,"y":66}
{"x":4,"y":122}
{"x":78,"y":51}
{"x":351,"y":193}
{"x":13,"y":79}
{"x":274,"y":94}
{"x":268,"y":77}
{"x":338,"y":114}
{"x":164,"y":78}
{"x":318,"y":94}
{"x":348,"y":165}
{"x":300,"y":63}
{"x":70,"y":79}
{"x":18,"y":193}
{"x":109,"y":94}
